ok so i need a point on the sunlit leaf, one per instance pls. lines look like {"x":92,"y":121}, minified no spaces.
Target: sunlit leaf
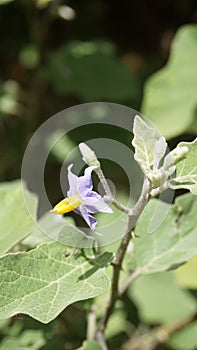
{"x":186,"y":169}
{"x":15,"y":220}
{"x":47,"y":229}
{"x":110,"y":227}
{"x":149,"y":146}
{"x":185,"y":338}
{"x":60,"y":145}
{"x":52,"y":227}
{"x":44,"y":281}
{"x":159,"y":300}
{"x":186,"y":275}
{"x":172,"y":243}
{"x":170,"y":96}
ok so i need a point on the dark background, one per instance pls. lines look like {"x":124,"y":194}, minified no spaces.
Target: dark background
{"x":34,"y":54}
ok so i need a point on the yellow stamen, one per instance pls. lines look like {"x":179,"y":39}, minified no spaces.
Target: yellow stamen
{"x":67,"y":205}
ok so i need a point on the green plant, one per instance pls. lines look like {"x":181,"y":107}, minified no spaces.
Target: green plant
{"x":43,"y":281}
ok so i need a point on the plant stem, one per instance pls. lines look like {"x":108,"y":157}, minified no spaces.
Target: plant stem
{"x":116,"y":263}
{"x":133,"y":216}
{"x":150,"y":340}
{"x":101,"y":340}
{"x":109,"y":197}
{"x":91,"y":323}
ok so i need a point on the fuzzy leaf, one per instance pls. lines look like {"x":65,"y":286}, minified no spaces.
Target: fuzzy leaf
{"x":149,"y":146}
{"x":15,"y":220}
{"x":52,"y":227}
{"x":186,"y":169}
{"x":172,"y":243}
{"x":170,"y":96}
{"x":43,"y":282}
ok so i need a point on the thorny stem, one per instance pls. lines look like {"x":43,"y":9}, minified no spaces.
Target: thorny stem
{"x":133,"y":215}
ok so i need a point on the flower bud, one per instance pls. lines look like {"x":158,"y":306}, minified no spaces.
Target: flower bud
{"x":88,"y":156}
{"x":179,"y":153}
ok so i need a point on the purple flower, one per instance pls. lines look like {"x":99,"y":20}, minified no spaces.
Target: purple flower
{"x":81,"y":199}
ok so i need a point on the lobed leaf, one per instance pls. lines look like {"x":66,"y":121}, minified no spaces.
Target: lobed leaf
{"x":186,"y":169}
{"x":170,"y":94}
{"x":43,"y":282}
{"x":172,"y":243}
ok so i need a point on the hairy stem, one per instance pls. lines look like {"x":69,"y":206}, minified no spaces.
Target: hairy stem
{"x":133,"y":216}
{"x":109,"y":197}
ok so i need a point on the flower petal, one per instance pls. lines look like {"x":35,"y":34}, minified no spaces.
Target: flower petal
{"x":91,"y":220}
{"x":85,"y":181}
{"x":73,"y":182}
{"x":95,"y":203}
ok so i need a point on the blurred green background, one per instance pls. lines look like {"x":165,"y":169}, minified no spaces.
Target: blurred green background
{"x":56,"y":54}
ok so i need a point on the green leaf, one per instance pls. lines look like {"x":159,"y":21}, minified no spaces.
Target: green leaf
{"x":185,"y":339}
{"x":159,"y":300}
{"x":172,"y":243}
{"x":117,"y":322}
{"x":44,"y":281}
{"x":51,"y":227}
{"x":92,"y":71}
{"x":29,"y":56}
{"x":4,"y":2}
{"x":60,"y":145}
{"x":186,"y":275}
{"x":170,"y":94}
{"x":28,"y":340}
{"x":90,"y":345}
{"x":111,"y":226}
{"x":149,"y":146}
{"x":186,"y":169}
{"x":47,"y":229}
{"x":15,"y":220}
